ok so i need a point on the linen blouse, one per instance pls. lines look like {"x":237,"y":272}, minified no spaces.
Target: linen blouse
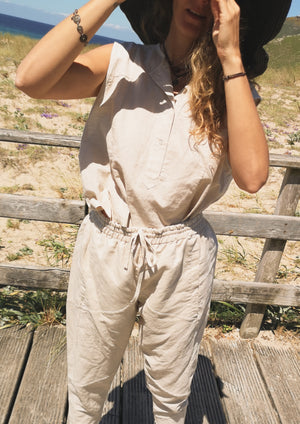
{"x":138,"y":161}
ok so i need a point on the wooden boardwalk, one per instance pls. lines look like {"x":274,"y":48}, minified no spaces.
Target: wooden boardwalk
{"x":237,"y":382}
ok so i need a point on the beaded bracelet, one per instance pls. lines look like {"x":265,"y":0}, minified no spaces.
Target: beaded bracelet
{"x":77,"y":19}
{"x":228,"y":77}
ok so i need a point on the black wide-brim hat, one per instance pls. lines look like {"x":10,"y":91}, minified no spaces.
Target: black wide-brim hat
{"x":261,"y":21}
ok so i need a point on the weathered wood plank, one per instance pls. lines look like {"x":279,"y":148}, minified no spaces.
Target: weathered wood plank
{"x":42,"y":396}
{"x":73,"y":212}
{"x":204,"y":403}
{"x":258,"y":292}
{"x":26,"y":137}
{"x":230,"y":291}
{"x":272,"y":253}
{"x":281,"y":371}
{"x":41,"y":209}
{"x":34,"y":277}
{"x":244,"y":395}
{"x":15,"y":343}
{"x":137,"y":401}
{"x":254,"y":225}
{"x":285,"y":161}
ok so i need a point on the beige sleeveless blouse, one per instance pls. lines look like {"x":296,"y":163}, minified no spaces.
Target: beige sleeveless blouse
{"x":137,"y":159}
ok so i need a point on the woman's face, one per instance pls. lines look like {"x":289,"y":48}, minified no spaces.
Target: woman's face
{"x":191,"y":18}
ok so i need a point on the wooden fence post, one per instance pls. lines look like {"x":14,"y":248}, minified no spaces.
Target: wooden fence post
{"x":273,"y":249}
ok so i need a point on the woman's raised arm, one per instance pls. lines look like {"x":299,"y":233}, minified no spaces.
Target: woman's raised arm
{"x":247,"y":145}
{"x":55,"y":69}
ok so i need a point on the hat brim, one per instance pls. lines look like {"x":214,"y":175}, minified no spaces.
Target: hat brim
{"x":261,"y":21}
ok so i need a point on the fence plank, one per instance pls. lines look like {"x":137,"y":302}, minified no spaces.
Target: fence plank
{"x":230,"y":291}
{"x":254,"y":225}
{"x":258,"y":292}
{"x":25,"y":137}
{"x":33,"y":277}
{"x":285,"y":161}
{"x":228,"y":223}
{"x":41,"y":209}
{"x":273,"y":249}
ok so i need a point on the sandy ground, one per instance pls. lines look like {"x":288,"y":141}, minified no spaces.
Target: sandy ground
{"x":53,"y":172}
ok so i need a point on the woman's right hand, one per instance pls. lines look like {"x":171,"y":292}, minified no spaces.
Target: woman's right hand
{"x":55,"y":69}
{"x":226,"y":31}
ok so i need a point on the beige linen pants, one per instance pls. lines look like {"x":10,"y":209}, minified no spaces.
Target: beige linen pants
{"x":167,"y":274}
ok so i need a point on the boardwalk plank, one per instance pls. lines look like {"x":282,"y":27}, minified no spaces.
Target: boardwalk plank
{"x":15,"y":344}
{"x":244,"y":395}
{"x":204,"y":403}
{"x":42,"y":395}
{"x":137,"y":402}
{"x":257,"y":382}
{"x":281,"y":371}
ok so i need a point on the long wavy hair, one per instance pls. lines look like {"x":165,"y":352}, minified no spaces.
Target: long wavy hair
{"x":207,"y":97}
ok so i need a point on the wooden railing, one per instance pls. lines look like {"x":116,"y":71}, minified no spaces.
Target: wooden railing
{"x":276,"y":229}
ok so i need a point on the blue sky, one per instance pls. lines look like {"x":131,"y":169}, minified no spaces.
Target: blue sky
{"x":52,"y":11}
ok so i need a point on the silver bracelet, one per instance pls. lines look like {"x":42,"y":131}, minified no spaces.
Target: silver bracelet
{"x":77,"y":19}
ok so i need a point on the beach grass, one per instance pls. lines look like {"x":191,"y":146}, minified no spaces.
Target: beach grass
{"x":284,"y":58}
{"x":13,"y":48}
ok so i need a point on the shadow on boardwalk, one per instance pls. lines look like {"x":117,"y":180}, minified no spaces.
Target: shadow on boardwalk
{"x":136,"y":403}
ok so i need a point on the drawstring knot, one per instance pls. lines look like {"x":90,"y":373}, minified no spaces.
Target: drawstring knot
{"x":143,"y":256}
{"x":141,"y":251}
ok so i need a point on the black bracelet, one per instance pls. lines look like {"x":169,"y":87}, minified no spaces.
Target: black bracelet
{"x":77,"y":19}
{"x":228,"y":77}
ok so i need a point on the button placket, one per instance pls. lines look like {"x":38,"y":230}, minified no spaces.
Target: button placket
{"x":157,"y":151}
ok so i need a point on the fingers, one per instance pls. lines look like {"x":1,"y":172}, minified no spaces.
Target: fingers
{"x":234,"y":8}
{"x":225,"y":12}
{"x":226,"y":26}
{"x":224,"y":7}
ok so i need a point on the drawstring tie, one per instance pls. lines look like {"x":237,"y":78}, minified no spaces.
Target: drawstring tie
{"x":143,"y":256}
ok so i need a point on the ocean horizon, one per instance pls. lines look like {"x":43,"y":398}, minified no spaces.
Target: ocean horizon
{"x":33,"y":29}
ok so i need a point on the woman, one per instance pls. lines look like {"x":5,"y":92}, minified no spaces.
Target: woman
{"x":171,"y":124}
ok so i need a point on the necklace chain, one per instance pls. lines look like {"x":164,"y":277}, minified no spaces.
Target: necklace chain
{"x":179,"y":71}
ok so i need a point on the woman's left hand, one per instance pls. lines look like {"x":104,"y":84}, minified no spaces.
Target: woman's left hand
{"x":226,"y":29}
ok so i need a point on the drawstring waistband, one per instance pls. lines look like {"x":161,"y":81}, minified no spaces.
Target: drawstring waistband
{"x":154,"y":235}
{"x":142,"y":240}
